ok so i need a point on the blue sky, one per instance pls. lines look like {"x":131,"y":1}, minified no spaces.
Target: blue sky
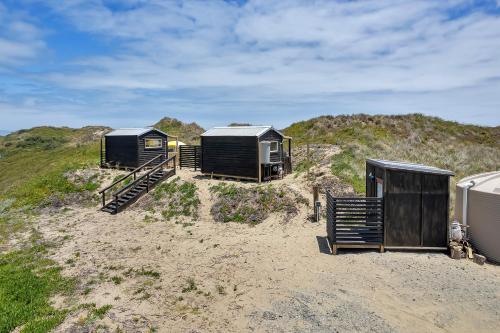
{"x":128,"y":63}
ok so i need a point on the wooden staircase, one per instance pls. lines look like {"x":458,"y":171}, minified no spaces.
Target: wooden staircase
{"x":130,"y":193}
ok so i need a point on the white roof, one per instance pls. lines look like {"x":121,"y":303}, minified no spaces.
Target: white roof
{"x":238,"y":131}
{"x":410,"y":167}
{"x":132,"y":131}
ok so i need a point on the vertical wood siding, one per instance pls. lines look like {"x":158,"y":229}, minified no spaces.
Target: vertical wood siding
{"x":121,"y":150}
{"x":416,"y":206}
{"x":145,"y":155}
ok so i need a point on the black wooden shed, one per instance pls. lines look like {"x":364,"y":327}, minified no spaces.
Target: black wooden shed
{"x":416,"y":200}
{"x":246,"y":152}
{"x":133,"y":147}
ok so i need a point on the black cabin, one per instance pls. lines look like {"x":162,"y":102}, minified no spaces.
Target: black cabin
{"x":246,"y":152}
{"x":132,"y":147}
{"x":416,"y":203}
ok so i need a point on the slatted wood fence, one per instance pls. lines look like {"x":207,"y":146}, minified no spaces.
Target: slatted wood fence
{"x":355,"y":222}
{"x":190,"y":157}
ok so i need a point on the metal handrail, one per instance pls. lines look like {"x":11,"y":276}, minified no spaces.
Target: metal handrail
{"x":145,"y":175}
{"x":129,"y":174}
{"x":116,"y":195}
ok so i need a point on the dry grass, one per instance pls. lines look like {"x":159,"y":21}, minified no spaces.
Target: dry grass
{"x":463,"y":149}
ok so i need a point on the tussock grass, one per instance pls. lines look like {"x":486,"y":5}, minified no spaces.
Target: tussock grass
{"x":463,"y":149}
{"x":253,"y":205}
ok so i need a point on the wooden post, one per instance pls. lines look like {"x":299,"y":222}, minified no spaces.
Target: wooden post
{"x":195,"y":157}
{"x":101,"y":152}
{"x":315,"y":193}
{"x":180,"y":158}
{"x":259,"y":166}
{"x":308,"y":161}
{"x":290,"y":153}
{"x":315,"y":200}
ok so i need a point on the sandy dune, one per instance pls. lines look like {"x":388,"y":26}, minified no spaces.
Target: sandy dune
{"x":275,"y":277}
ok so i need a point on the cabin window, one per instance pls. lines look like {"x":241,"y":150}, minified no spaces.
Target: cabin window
{"x":274,"y":146}
{"x":153,"y":143}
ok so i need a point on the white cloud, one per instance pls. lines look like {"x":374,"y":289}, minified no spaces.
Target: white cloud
{"x":319,"y":55}
{"x":320,"y":46}
{"x":20,"y":41}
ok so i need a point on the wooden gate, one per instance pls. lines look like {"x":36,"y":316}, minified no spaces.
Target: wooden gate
{"x":190,"y":157}
{"x":355,"y":222}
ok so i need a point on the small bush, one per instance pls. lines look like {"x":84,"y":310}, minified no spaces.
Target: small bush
{"x":253,"y":205}
{"x":177,"y":198}
{"x":191,"y":286}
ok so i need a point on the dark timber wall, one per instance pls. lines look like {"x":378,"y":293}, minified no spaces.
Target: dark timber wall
{"x":148,"y":154}
{"x":272,"y":135}
{"x":121,"y":151}
{"x":230,"y":155}
{"x":416,"y":206}
{"x":129,"y":150}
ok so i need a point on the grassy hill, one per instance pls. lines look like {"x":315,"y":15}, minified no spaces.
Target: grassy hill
{"x":187,"y":133}
{"x":32,"y":161}
{"x":464,"y":149}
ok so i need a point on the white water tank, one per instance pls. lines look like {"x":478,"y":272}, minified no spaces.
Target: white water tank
{"x":483,"y":212}
{"x":265,"y":152}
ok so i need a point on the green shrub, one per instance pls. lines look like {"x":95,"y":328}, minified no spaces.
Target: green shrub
{"x":253,"y":205}
{"x":180,"y":198}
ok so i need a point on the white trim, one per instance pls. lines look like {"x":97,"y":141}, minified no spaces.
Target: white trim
{"x":277,"y":146}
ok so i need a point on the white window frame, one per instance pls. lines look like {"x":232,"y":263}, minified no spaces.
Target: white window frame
{"x":277,"y":146}
{"x":154,"y":140}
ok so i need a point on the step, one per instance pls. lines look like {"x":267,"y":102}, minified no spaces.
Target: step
{"x":137,"y":190}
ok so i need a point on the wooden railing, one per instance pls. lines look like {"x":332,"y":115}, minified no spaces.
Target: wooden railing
{"x":355,"y":222}
{"x":144,"y":178}
{"x":133,"y":174}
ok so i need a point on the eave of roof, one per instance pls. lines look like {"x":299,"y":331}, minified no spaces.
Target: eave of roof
{"x":134,"y":131}
{"x":256,"y":131}
{"x":396,"y":165}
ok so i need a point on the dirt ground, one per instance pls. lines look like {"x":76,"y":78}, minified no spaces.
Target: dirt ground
{"x":278,"y":276}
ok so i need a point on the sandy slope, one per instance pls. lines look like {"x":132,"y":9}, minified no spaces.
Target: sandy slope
{"x":275,"y":277}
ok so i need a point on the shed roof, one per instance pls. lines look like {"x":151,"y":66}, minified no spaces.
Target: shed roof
{"x":133,"y":131}
{"x":239,"y":131}
{"x":395,"y":165}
